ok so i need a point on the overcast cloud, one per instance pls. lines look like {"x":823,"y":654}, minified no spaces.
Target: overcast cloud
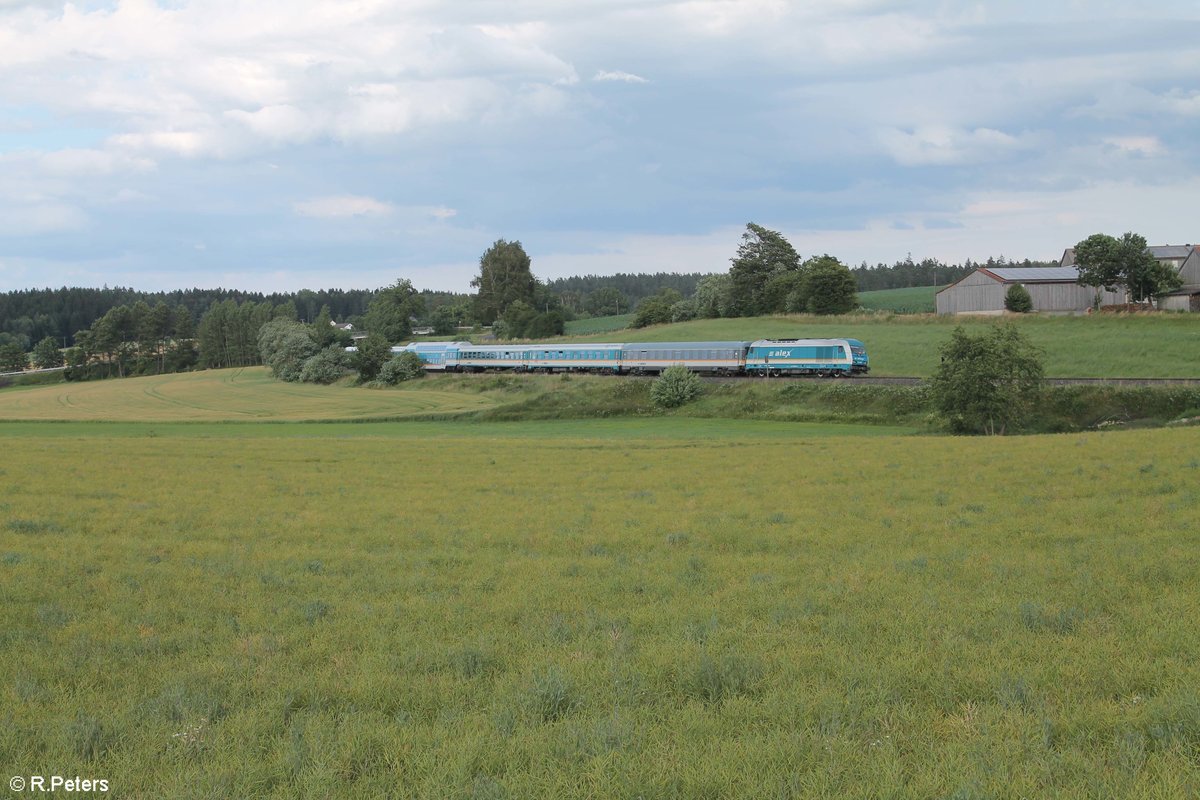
{"x":283,"y":143}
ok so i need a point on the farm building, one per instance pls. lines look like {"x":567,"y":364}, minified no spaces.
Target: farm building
{"x":1054,"y":290}
{"x":1185,"y":258}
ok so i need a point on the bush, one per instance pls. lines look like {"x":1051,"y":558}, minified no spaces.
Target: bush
{"x":676,"y":386}
{"x":683,"y":311}
{"x":404,"y":367}
{"x":1017,"y":299}
{"x":326,"y":366}
{"x":372,"y":353}
{"x":988,"y":383}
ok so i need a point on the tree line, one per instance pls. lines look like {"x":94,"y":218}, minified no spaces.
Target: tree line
{"x":29,"y":315}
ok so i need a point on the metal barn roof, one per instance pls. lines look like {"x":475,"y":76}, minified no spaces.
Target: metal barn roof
{"x":1171,"y":250}
{"x":1033,"y":274}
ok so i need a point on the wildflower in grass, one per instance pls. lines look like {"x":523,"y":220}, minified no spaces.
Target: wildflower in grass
{"x":193,"y":735}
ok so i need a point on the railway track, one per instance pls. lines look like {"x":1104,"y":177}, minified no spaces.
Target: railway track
{"x":898,"y":380}
{"x":913,"y":381}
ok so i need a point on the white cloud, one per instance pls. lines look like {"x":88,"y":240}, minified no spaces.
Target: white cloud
{"x":1139,"y":145}
{"x":942,"y":145}
{"x":339,"y":206}
{"x":621,"y":77}
{"x":32,"y":217}
{"x":86,"y":161}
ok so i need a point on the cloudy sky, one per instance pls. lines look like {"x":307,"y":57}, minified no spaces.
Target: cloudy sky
{"x":287,"y":143}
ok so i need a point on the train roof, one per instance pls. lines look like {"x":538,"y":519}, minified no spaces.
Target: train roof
{"x":541,"y":346}
{"x":684,"y":345}
{"x":431,"y":347}
{"x":813,"y":342}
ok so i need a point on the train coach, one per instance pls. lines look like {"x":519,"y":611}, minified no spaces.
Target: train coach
{"x":764,"y":357}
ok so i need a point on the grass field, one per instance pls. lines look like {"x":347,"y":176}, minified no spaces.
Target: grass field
{"x":1087,"y":346}
{"x":579,"y":327}
{"x":483,"y":611}
{"x":228,"y":394}
{"x":911,"y":300}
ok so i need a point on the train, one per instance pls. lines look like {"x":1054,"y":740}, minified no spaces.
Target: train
{"x":762,"y":358}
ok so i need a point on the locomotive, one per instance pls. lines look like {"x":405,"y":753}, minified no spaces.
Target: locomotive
{"x":764,"y":357}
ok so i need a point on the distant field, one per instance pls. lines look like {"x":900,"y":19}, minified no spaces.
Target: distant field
{"x":1087,"y":346}
{"x":228,"y":394}
{"x":913,"y":300}
{"x":599,"y":324}
{"x":232,"y":611}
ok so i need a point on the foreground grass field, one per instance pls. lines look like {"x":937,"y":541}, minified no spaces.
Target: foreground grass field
{"x":222,"y":611}
{"x":227,"y":394}
{"x":1101,"y":345}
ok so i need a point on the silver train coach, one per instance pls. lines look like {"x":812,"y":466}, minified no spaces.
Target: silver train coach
{"x":764,"y":357}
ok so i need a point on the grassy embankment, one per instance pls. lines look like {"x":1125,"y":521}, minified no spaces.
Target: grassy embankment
{"x":249,"y":395}
{"x":241,"y":613}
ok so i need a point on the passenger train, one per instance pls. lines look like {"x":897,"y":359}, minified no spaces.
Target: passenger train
{"x":765,"y":357}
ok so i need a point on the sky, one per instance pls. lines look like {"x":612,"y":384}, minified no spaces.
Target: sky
{"x":284,"y":144}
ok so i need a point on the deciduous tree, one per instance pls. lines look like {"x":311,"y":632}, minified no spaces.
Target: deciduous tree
{"x":46,"y":354}
{"x":1106,"y":261}
{"x":12,"y":358}
{"x":504,"y":278}
{"x":373,"y":352}
{"x":762,"y":254}
{"x":392,"y":310}
{"x":828,"y":286}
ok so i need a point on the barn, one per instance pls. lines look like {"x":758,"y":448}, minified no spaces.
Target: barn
{"x":1186,"y":259}
{"x":1054,"y":290}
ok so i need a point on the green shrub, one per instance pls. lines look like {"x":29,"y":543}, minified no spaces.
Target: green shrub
{"x":326,"y":366}
{"x":676,"y":386}
{"x":404,"y":367}
{"x":988,"y":383}
{"x":1017,"y":299}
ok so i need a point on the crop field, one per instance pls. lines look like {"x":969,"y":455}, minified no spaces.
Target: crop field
{"x":227,"y":394}
{"x":909,"y":300}
{"x":486,"y":611}
{"x":1102,"y":345}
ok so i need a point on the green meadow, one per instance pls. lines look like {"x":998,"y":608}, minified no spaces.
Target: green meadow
{"x":1101,"y":345}
{"x":618,"y":322}
{"x":629,"y":608}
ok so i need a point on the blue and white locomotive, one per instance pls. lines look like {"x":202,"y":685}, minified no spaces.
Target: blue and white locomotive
{"x":764,"y":357}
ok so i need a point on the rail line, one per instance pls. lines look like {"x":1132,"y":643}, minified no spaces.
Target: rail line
{"x":897,"y":380}
{"x":894,"y":380}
